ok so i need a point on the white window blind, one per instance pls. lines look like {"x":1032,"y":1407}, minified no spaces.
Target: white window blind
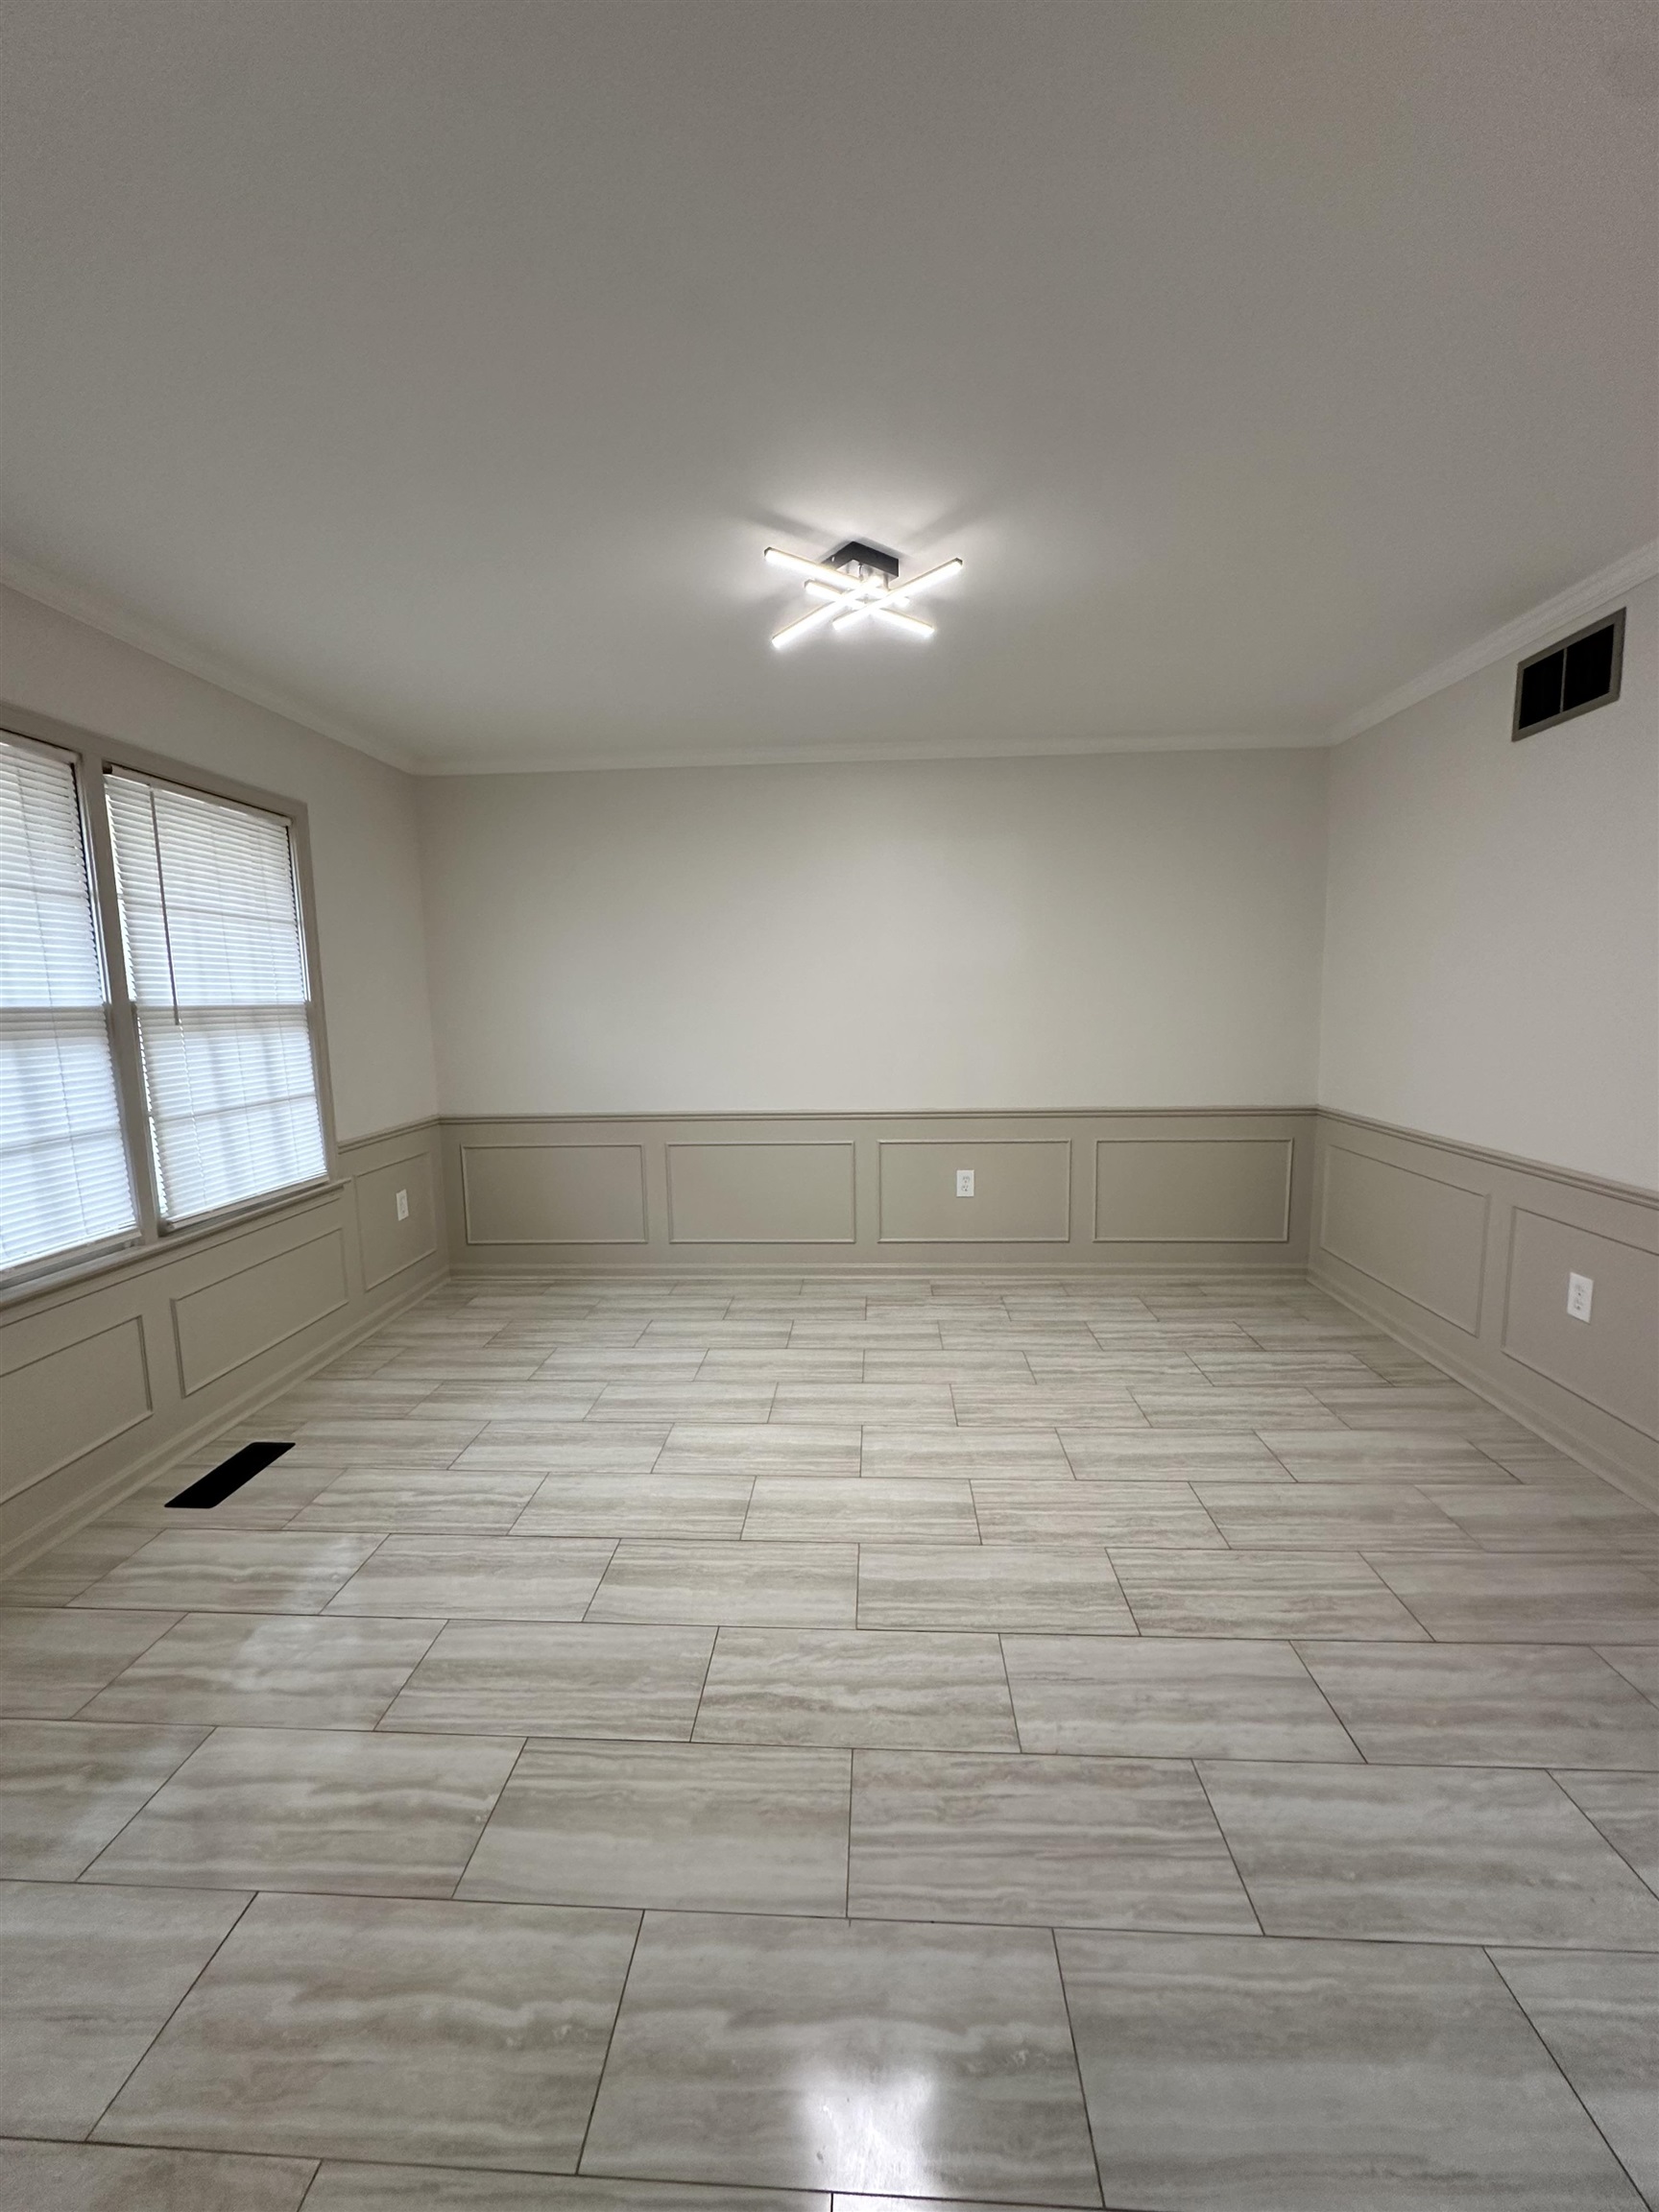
{"x":63,"y":1173}
{"x":216,"y":965}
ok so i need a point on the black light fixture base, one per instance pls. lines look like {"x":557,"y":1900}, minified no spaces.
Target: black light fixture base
{"x":860,"y":558}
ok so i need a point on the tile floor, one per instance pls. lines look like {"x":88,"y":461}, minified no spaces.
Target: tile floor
{"x":821,"y":1742}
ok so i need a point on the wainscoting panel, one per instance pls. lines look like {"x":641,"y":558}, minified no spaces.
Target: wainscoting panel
{"x":1612,"y":1360}
{"x":1192,"y":1190}
{"x":1419,"y":1234}
{"x":868,"y":1191}
{"x":64,"y":1403}
{"x":1022,"y":1191}
{"x":110,"y":1374}
{"x":552,"y":1194}
{"x":388,"y":1245}
{"x":761,"y":1194}
{"x":237,"y":1317}
{"x":1395,"y":1238}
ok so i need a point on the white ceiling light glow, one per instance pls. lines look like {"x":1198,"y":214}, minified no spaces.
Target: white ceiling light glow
{"x":856,"y":586}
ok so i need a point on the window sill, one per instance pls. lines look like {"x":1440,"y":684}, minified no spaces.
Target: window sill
{"x":92,"y":1270}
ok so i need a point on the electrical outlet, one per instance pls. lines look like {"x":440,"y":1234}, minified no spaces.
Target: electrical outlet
{"x":402,"y":1205}
{"x":1580,"y":1289}
{"x":964,"y":1181}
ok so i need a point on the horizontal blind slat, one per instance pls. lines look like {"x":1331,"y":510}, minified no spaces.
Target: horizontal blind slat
{"x":64,"y":1179}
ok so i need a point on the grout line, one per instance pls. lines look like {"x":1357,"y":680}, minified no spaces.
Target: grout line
{"x":1487,"y":1950}
{"x":162,"y":2031}
{"x":1227,"y":1845}
{"x":1077,"y":2063}
{"x":599,"y":2078}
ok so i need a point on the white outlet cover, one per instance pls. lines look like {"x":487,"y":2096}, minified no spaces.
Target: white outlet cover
{"x":402,"y":1205}
{"x":964,"y":1181}
{"x":1580,"y":1289}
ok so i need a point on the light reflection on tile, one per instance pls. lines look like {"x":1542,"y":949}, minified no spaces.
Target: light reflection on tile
{"x":928,"y":2060}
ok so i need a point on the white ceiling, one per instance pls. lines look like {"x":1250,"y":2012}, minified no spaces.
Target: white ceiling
{"x":441,"y":368}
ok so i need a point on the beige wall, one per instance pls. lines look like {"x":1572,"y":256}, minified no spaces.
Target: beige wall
{"x":1132,"y":931}
{"x":1492,"y":930}
{"x":364,"y":851}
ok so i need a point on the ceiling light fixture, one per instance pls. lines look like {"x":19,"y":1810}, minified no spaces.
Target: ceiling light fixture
{"x":855,"y":586}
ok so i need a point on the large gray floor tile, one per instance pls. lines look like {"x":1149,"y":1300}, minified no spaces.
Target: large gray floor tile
{"x":1223,"y":1407}
{"x":1598,"y":2013}
{"x":1072,"y":1405}
{"x":1639,"y":1663}
{"x":497,"y":1577}
{"x":267,"y":1671}
{"x":1481,"y":1597}
{"x":52,"y":1662}
{"x":1569,"y":1521}
{"x":770,"y":1448}
{"x":704,"y":1827}
{"x":748,"y":1585}
{"x":66,"y":1786}
{"x":232,"y":1570}
{"x":1335,"y":1455}
{"x":1456,"y":1854}
{"x":1140,"y":1514}
{"x":380,"y":2028}
{"x":1233,"y":2076}
{"x":994,"y":1586}
{"x":58,"y":1576}
{"x":356,"y":2188}
{"x":1625,"y":1809}
{"x":1485,"y":1704}
{"x":548,"y":1679}
{"x":525,"y":1448}
{"x":964,"y":1453}
{"x":325,"y":1809}
{"x":854,"y":1687}
{"x":883,"y":1404}
{"x":1276,"y":1594}
{"x":1161,"y":1455}
{"x":383,"y":1499}
{"x":106,"y":2177}
{"x":685,"y":1508}
{"x":1168,"y":1697}
{"x":1327,"y":1516}
{"x":1088,"y":1842}
{"x":804,"y":1510}
{"x":87,"y":1978}
{"x":675,"y":1401}
{"x":924,"y":2060}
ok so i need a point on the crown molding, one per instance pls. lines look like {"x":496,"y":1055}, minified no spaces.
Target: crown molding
{"x":114,"y":621}
{"x":1564,"y":612}
{"x":849,"y":755}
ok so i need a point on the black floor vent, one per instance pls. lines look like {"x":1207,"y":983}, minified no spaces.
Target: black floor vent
{"x":1583,"y":671}
{"x":217,"y":1484}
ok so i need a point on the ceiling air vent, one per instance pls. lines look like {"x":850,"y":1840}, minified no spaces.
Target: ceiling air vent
{"x":1569,"y":679}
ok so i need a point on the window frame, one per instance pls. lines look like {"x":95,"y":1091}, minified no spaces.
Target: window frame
{"x":90,"y":756}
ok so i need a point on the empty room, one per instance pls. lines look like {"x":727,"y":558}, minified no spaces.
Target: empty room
{"x":829,"y":1105}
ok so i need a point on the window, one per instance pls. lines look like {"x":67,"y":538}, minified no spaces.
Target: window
{"x":64,"y":1178}
{"x":172,"y":1069}
{"x":216,"y":966}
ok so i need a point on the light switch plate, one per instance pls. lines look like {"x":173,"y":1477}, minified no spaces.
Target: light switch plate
{"x":964,"y":1181}
{"x":1580,"y":1289}
{"x":402,"y":1205}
